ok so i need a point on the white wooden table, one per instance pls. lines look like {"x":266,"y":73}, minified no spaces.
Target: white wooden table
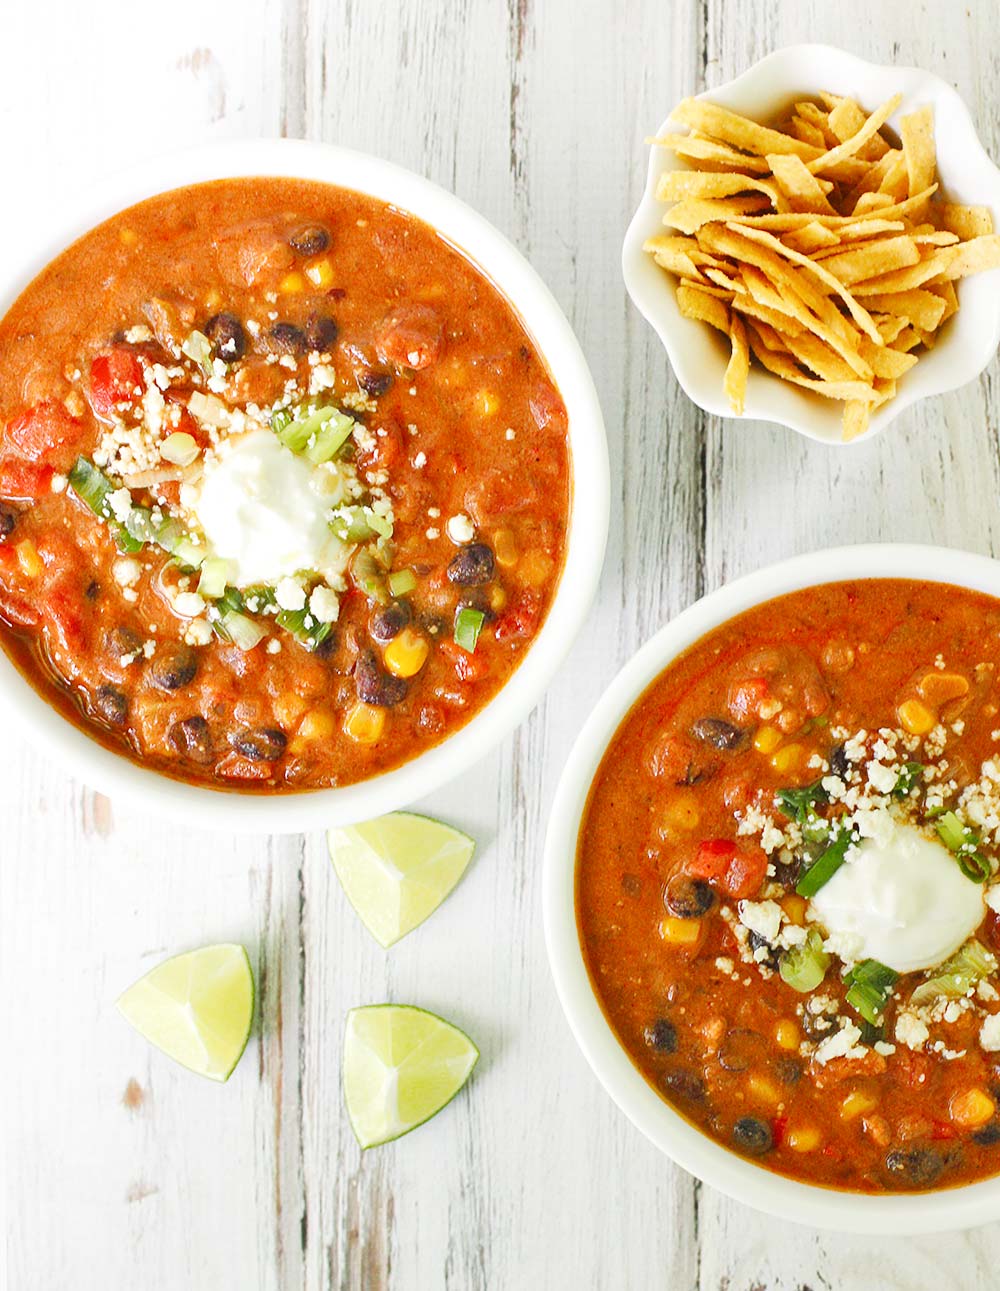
{"x":122,"y":1170}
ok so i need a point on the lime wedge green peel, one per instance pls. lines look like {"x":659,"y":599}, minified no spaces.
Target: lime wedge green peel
{"x":397,"y":869}
{"x":197,"y":1008}
{"x":401,"y":1066}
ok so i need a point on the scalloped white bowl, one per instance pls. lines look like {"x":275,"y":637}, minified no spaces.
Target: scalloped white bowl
{"x":36,"y":244}
{"x":699,"y":355}
{"x":948,"y":1208}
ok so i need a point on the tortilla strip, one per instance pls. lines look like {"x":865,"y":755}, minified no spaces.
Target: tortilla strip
{"x":787,"y":369}
{"x":885,"y":361}
{"x":738,"y":368}
{"x":858,"y":312}
{"x":820,"y":121}
{"x":703,"y":308}
{"x":710,"y":290}
{"x":881,"y":256}
{"x":731,"y":128}
{"x":781,"y":323}
{"x":930,"y":267}
{"x":889,"y":326}
{"x":922,"y":308}
{"x":812,"y":239}
{"x":855,"y":420}
{"x":807,"y":132}
{"x":846,"y":118}
{"x":916,"y":131}
{"x":972,"y":257}
{"x":873,"y":177}
{"x":692,"y":213}
{"x":723,"y":279}
{"x":675,"y":185}
{"x":707,"y":150}
{"x":967,"y":221}
{"x":850,"y":146}
{"x":798,"y":220}
{"x":801,"y":188}
{"x":946,"y":290}
{"x":828,"y":366}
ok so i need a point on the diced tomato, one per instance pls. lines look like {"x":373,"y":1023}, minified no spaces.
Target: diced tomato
{"x":115,"y":378}
{"x":43,"y":427}
{"x":942,"y":1130}
{"x":468,"y":667}
{"x":778,"y":1127}
{"x":24,"y":480}
{"x":236,"y":767}
{"x":411,"y":337}
{"x":520,"y":620}
{"x":62,"y":617}
{"x":547,"y":408}
{"x":745,"y":697}
{"x":713,"y":859}
{"x":745,"y":874}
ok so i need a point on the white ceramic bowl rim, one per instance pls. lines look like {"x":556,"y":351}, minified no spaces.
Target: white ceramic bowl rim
{"x":503,"y":264}
{"x":668,"y":1130}
{"x":968,"y":341}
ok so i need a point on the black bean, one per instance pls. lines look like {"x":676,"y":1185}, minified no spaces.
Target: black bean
{"x":788,"y":1071}
{"x":173,"y":667}
{"x":8,"y":520}
{"x":389,"y":620}
{"x":718,"y":733}
{"x":661,"y":1036}
{"x":685,"y":1084}
{"x":741,"y":1048}
{"x":770,"y":956}
{"x":375,"y":686}
{"x":988,"y":1135}
{"x":286,"y":338}
{"x":192,"y":738}
{"x":121,"y":642}
{"x":321,"y":332}
{"x":225,"y":331}
{"x":687,"y":898}
{"x":817,"y":1026}
{"x":264,"y":744}
{"x":473,"y":566}
{"x":839,"y":764}
{"x":111,"y":704}
{"x":326,"y":647}
{"x":752,"y":1136}
{"x":914,"y":1167}
{"x":309,"y":240}
{"x":788,"y":873}
{"x":93,"y":590}
{"x":374,"y":383}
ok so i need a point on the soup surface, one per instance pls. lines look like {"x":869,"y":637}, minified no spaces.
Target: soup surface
{"x":284,"y":485}
{"x":786,"y":885}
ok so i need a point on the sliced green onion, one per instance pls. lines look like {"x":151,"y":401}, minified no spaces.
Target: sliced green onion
{"x":823,"y":870}
{"x":241,"y":630}
{"x":350,"y":524}
{"x":800,"y":804}
{"x":331,"y":436}
{"x":304,"y":626}
{"x":198,"y":349}
{"x":468,"y":625}
{"x":140,"y":524}
{"x":281,"y":418}
{"x":317,"y":433}
{"x":214,"y":576}
{"x":402,"y":581}
{"x":964,"y":842}
{"x":369,"y":575}
{"x":258,"y":597}
{"x":954,"y":977}
{"x":869,"y":987}
{"x":803,"y":967}
{"x":91,"y":485}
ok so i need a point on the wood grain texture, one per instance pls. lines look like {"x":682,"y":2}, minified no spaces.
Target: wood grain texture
{"x":122,"y":1171}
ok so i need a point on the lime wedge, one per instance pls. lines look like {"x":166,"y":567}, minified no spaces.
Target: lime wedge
{"x":396,"y":870}
{"x":401,"y":1066}
{"x":196,"y":1007}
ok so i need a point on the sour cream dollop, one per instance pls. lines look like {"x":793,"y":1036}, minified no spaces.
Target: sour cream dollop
{"x":266,"y":511}
{"x":900,"y":899}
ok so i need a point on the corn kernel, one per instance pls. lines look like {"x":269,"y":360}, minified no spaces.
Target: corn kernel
{"x":786,"y":1034}
{"x":364,"y":723}
{"x":317,"y":724}
{"x":486,"y":403}
{"x":803,"y":1138}
{"x":682,"y":812}
{"x":406,"y":653}
{"x":536,"y":568}
{"x":914,"y":717}
{"x":288,"y":708}
{"x":789,"y":759}
{"x":767,"y":739}
{"x":128,"y":237}
{"x":857,"y":1103}
{"x":680,"y":932}
{"x":320,"y":274}
{"x":763,"y":1089}
{"x":505,"y":548}
{"x":938,"y":688}
{"x":498,"y":598}
{"x":794,"y":907}
{"x":291,"y":283}
{"x":28,"y":558}
{"x":972,"y":1108}
{"x":213,"y":299}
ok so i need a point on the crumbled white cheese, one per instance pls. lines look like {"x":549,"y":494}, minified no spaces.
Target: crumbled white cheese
{"x":198,"y":632}
{"x":460,"y":529}
{"x":911,"y":1031}
{"x":290,"y":594}
{"x":842,"y":1044}
{"x":989,"y":1033}
{"x":188,"y":604}
{"x":126,"y":571}
{"x":761,"y":917}
{"x":324,"y":604}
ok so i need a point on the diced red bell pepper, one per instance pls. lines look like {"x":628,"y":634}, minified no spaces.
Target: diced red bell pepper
{"x":61,"y":615}
{"x":115,"y":377}
{"x":779,"y":1127}
{"x":713,"y":858}
{"x":236,"y":767}
{"x":43,"y":427}
{"x":520,"y":620}
{"x":468,"y":667}
{"x":23,"y":480}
